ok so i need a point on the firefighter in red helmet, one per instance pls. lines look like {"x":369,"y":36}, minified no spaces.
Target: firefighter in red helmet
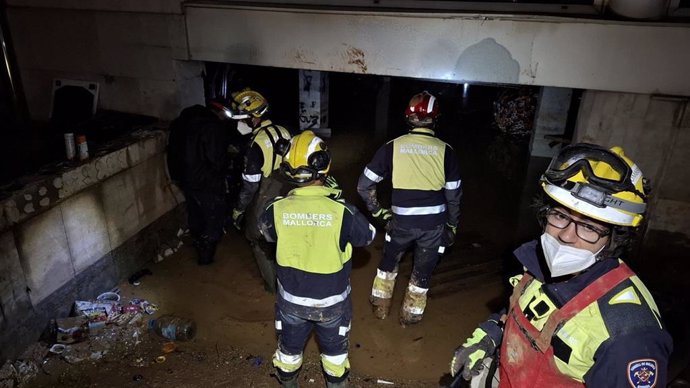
{"x":425,"y":206}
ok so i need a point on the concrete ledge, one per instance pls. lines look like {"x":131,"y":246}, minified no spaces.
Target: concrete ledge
{"x":79,"y":230}
{"x":41,"y":192}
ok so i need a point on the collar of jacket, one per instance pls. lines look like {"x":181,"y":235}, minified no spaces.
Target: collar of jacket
{"x":312,"y":191}
{"x":263,"y":124}
{"x":424,"y":131}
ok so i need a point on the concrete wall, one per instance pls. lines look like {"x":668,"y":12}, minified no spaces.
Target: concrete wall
{"x":130,"y":48}
{"x":75,"y":239}
{"x":530,"y":50}
{"x":655,"y":133}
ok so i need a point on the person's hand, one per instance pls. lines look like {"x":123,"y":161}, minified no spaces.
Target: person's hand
{"x":238,"y":219}
{"x":449,"y":232}
{"x":383,"y":216}
{"x":332,"y":184}
{"x":469,"y":356}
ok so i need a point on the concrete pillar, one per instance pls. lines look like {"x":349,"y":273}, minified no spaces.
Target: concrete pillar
{"x":313,"y":102}
{"x":550,"y":121}
{"x":547,"y":139}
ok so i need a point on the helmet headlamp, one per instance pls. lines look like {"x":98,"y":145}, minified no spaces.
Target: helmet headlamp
{"x":590,"y":194}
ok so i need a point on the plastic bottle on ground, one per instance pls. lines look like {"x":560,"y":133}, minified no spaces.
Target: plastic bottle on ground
{"x":173,"y":328}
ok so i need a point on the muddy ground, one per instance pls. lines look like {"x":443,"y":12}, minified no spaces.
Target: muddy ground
{"x":235,"y":337}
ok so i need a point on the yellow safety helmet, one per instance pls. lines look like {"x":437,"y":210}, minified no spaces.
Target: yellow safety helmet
{"x":248,"y":103}
{"x":306,"y":159}
{"x":602,"y":184}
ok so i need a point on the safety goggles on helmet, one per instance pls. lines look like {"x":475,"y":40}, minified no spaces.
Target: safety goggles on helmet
{"x":248,"y":103}
{"x":306,"y":159}
{"x":579,"y":158}
{"x":599,"y":183}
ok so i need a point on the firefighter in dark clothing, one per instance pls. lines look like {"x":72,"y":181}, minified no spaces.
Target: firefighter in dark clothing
{"x":578,"y":316}
{"x":259,"y":183}
{"x":198,"y":162}
{"x":425,"y":206}
{"x":315,"y":234}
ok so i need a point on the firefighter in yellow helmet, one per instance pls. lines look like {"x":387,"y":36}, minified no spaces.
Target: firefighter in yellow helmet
{"x":259,"y":183}
{"x":578,"y":316}
{"x":315,"y":234}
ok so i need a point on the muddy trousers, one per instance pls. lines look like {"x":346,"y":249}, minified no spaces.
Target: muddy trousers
{"x":294,"y":326}
{"x":427,"y":250}
{"x":264,"y":252}
{"x":206,"y":213}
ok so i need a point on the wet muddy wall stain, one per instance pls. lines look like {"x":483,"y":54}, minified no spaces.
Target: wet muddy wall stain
{"x":487,"y":61}
{"x":355,"y":56}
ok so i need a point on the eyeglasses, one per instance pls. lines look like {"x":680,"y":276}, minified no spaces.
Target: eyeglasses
{"x":585,"y":231}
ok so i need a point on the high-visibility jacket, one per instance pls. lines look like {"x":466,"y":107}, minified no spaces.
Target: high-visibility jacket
{"x":425,"y":176}
{"x":600,"y":328}
{"x":261,"y":159}
{"x":314,"y":235}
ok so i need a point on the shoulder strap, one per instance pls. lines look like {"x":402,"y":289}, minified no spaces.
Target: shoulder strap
{"x":590,"y":294}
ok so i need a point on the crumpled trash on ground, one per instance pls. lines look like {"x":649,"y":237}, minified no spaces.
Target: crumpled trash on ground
{"x":100,"y":327}
{"x":18,"y":373}
{"x":144,"y":305}
{"x":8,"y":375}
{"x":168,"y":248}
{"x":72,"y":329}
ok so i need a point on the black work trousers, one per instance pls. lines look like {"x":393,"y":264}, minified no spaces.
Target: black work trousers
{"x":206,"y":212}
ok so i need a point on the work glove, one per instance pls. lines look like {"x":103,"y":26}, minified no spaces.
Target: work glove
{"x":332,"y":184}
{"x":238,"y":219}
{"x":469,"y":356}
{"x":383,"y":217}
{"x":448,"y":238}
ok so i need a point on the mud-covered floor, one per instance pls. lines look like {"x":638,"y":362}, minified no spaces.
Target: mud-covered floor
{"x":236,"y":339}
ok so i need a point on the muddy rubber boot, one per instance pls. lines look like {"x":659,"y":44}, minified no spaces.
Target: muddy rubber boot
{"x":288,"y":381}
{"x":382,"y":293}
{"x":413,"y":305}
{"x":342,"y":384}
{"x":206,"y":250}
{"x":336,"y":382}
{"x":380,"y":306}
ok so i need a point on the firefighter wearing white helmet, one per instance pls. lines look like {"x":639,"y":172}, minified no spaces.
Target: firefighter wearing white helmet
{"x":315,"y":234}
{"x":425,"y":207}
{"x":259,"y":183}
{"x":578,"y":316}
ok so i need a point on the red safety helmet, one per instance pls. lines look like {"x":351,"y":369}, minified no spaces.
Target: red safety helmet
{"x":423,"y":110}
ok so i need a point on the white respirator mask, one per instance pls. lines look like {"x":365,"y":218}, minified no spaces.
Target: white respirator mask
{"x":566,"y":260}
{"x":243,"y":128}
